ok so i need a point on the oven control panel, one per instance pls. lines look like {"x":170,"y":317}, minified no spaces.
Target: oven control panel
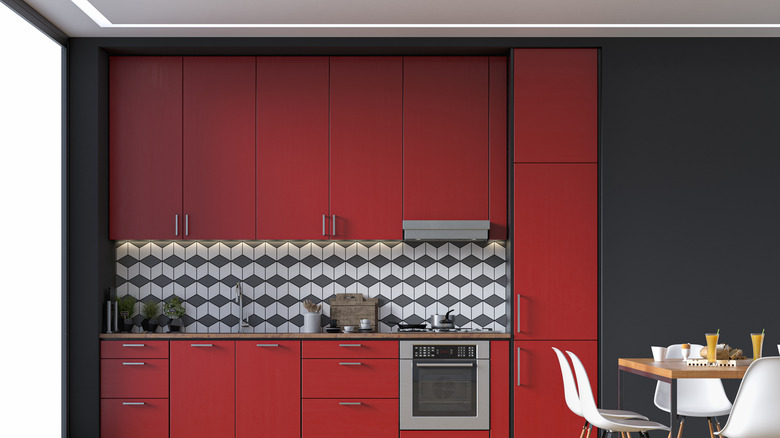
{"x":444,"y":351}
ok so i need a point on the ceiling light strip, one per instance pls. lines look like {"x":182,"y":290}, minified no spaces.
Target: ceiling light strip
{"x":102,"y":21}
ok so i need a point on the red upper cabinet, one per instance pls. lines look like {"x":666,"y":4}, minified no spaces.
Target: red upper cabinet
{"x":540,"y":407}
{"x":366,"y":147}
{"x":498,"y":149}
{"x":202,"y":394}
{"x":292,"y":147}
{"x":145,"y":147}
{"x":219,"y":147}
{"x":556,"y":251}
{"x":268,"y":388}
{"x":446,"y":158}
{"x":556,"y":105}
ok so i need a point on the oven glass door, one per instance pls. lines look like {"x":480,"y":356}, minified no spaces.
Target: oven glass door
{"x":444,"y":388}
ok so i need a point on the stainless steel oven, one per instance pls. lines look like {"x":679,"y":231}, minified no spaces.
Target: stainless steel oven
{"x":445,"y":385}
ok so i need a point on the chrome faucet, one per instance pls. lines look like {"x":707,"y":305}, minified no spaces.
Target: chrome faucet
{"x":240,"y":300}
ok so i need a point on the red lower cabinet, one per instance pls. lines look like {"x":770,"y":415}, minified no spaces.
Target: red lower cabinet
{"x":134,"y":378}
{"x":376,"y":378}
{"x":268,"y":388}
{"x":500,"y":388}
{"x":445,"y":433}
{"x":327,"y":418}
{"x":540,"y":407}
{"x":131,"y":418}
{"x":202,"y":389}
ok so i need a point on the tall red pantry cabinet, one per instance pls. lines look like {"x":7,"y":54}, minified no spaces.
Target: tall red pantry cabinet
{"x":555,"y":247}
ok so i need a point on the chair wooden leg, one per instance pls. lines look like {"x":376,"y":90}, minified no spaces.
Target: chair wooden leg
{"x":584,"y":426}
{"x":709,"y":421}
{"x":682,"y":424}
{"x":717,"y":423}
{"x":590,"y":427}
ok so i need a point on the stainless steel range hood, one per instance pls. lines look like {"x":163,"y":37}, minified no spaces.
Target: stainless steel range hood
{"x":446,"y":230}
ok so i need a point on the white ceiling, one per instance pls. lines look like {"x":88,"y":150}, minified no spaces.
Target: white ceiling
{"x":413,"y":18}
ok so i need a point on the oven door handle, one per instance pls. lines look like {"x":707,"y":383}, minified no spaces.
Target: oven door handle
{"x":449,"y":365}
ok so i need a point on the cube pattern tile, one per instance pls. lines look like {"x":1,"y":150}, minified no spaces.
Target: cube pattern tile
{"x":412,"y":280}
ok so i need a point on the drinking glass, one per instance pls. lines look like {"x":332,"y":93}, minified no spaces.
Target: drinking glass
{"x":712,"y":344}
{"x":758,"y":344}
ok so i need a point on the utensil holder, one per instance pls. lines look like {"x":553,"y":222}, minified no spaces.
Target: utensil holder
{"x":311,"y":322}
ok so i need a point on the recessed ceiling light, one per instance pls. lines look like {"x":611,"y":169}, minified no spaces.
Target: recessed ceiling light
{"x":92,"y":12}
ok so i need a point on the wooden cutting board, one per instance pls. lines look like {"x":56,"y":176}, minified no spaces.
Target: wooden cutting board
{"x":349,"y":309}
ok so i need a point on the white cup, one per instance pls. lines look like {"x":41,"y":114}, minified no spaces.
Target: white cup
{"x":659,"y":353}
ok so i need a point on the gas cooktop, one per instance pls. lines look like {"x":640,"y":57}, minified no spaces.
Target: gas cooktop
{"x":421,"y":328}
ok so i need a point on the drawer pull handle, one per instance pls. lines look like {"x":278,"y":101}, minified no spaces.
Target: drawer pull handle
{"x":133,"y":363}
{"x":448,"y":365}
{"x":133,"y":345}
{"x":350,"y":363}
{"x":350,"y":403}
{"x":133,"y":403}
{"x":201,"y":345}
{"x":350,"y":345}
{"x":267,"y":345}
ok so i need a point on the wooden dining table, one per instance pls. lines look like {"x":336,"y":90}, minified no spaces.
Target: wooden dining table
{"x":669,"y":371}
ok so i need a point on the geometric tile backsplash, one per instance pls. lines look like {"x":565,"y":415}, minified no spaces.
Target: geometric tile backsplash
{"x":412,"y":280}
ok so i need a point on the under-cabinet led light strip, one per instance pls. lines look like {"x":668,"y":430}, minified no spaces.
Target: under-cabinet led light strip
{"x":101,"y":20}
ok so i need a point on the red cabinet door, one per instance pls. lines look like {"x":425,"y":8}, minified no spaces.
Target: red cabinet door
{"x":446,"y":154}
{"x":350,"y":349}
{"x":268,"y":388}
{"x":540,"y":407}
{"x":349,"y":378}
{"x":219,"y":147}
{"x":202,"y":395}
{"x":133,"y":378}
{"x":556,"y":105}
{"x":500,"y":388}
{"x":555,"y":251}
{"x":366,"y":147}
{"x":328,"y":418}
{"x":292,"y":147}
{"x":145,"y":146}
{"x":131,"y":418}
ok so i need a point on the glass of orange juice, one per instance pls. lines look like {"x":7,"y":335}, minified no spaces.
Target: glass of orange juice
{"x":712,"y":344}
{"x":758,"y":344}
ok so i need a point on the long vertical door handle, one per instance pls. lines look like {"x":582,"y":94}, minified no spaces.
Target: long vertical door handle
{"x":176,"y":225}
{"x":517,"y":307}
{"x":186,"y":225}
{"x":518,"y":366}
{"x":323,"y":225}
{"x":334,"y":226}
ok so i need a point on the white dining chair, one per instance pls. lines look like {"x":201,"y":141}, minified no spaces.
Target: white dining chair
{"x":756,"y":408}
{"x":572,"y":397}
{"x":595,"y":418}
{"x":704,"y":398}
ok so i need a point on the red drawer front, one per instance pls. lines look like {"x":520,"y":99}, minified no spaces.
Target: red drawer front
{"x":349,"y":349}
{"x":375,"y":378}
{"x":137,"y":378}
{"x":329,"y":418}
{"x":133,"y":418}
{"x":134,"y":349}
{"x":445,"y":433}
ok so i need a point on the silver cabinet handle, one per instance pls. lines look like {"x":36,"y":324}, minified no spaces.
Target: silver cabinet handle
{"x":350,"y":363}
{"x":201,"y":345}
{"x":350,"y":345}
{"x":176,"y":225}
{"x":517,"y":329}
{"x":334,"y":226}
{"x":448,"y":365}
{"x":323,"y":225}
{"x":267,"y":345}
{"x":186,"y":225}
{"x":133,"y":345}
{"x":133,"y":403}
{"x":133,"y":363}
{"x":350,"y":403}
{"x":518,"y":367}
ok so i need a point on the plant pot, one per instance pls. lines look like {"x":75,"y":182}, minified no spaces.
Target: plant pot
{"x":153,"y":325}
{"x":127,"y":325}
{"x":145,"y":324}
{"x":175,"y":325}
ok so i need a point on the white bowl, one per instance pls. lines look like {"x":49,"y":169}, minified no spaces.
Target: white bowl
{"x":349,"y":328}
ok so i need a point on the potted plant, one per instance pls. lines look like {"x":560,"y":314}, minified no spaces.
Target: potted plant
{"x":149,"y":311}
{"x":174,"y":310}
{"x":126,"y":310}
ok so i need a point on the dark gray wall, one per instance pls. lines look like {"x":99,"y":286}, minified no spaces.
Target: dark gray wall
{"x":689,"y":186}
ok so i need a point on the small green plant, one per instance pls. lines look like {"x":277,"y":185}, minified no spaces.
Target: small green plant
{"x":173,"y":309}
{"x":127,"y":305}
{"x":150,"y":309}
